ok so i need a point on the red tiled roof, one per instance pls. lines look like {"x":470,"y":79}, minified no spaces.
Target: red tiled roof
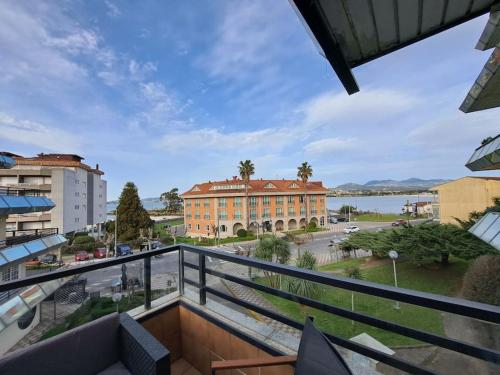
{"x":255,"y":186}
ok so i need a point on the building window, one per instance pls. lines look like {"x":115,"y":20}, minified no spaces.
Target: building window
{"x":253,"y":214}
{"x":207,"y":216}
{"x":77,"y":206}
{"x":207,"y":227}
{"x":222,"y":202}
{"x":223,"y":228}
{"x":237,"y":215}
{"x":314,"y":210}
{"x":197,"y":215}
{"x":291,"y":199}
{"x":301,"y":199}
{"x":253,"y":201}
{"x":77,"y":193}
{"x":322,"y":199}
{"x":189,"y":226}
{"x":291,"y":211}
{"x":207,"y":203}
{"x":279,"y":200}
{"x":312,"y":198}
{"x":279,"y":212}
{"x":197,"y":203}
{"x":237,"y":202}
{"x":188,"y":202}
{"x":266,"y":200}
{"x":266,"y":213}
{"x":77,"y":219}
{"x":11,"y":273}
{"x":197,"y":226}
{"x":188,"y":215}
{"x":77,"y":182}
{"x":223,"y":215}
{"x":302,"y":210}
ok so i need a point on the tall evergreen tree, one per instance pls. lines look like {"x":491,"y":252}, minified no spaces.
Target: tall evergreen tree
{"x":132,"y":217}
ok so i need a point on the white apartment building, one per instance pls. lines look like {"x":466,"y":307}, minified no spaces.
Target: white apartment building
{"x":78,"y":191}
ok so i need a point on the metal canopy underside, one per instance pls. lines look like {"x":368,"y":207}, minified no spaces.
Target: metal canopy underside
{"x":486,"y":157}
{"x":10,"y":204}
{"x":353,"y":32}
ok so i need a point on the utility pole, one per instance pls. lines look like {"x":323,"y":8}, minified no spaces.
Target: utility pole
{"x":116,"y":232}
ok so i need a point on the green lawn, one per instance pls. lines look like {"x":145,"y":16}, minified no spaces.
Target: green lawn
{"x":342,"y":265}
{"x":378,"y":217}
{"x":160,"y":227}
{"x":437,"y":280}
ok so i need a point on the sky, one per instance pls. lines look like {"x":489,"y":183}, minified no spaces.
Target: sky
{"x":168,"y":94}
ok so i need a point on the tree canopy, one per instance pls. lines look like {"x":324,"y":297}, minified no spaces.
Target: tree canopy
{"x":246,"y":170}
{"x":132,"y":217}
{"x":172,"y":201}
{"x":423,"y":243}
{"x":304,"y":172}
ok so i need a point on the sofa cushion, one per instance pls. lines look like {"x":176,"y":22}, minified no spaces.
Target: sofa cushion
{"x":117,"y":368}
{"x":84,"y":350}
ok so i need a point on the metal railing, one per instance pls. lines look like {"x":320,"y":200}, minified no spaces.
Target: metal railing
{"x":19,"y":192}
{"x":15,"y":237}
{"x":487,"y":313}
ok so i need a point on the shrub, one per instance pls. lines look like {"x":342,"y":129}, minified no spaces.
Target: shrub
{"x":242,"y":233}
{"x":482,"y":280}
{"x":80,"y":234}
{"x":311,"y":227}
{"x":83,"y":240}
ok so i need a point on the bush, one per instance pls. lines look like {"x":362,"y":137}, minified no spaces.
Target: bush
{"x":311,"y":227}
{"x":83,"y":240}
{"x":242,"y":233}
{"x":482,"y":280}
{"x":80,"y":234}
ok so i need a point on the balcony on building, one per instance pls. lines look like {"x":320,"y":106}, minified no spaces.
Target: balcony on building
{"x":198,"y":321}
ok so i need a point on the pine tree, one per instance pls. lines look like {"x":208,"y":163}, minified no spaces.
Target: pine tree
{"x":132,"y":217}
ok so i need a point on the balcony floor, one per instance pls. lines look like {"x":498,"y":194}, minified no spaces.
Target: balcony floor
{"x":183,"y":367}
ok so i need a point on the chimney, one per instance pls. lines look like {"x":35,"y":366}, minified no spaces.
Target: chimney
{"x":97,"y":167}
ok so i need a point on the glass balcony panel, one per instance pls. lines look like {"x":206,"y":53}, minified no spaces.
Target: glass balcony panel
{"x":35,"y":246}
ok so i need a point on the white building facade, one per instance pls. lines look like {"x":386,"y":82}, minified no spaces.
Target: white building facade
{"x":78,"y":191}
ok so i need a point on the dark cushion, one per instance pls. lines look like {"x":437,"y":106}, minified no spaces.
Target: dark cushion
{"x":317,"y":355}
{"x":85,"y":350}
{"x":117,"y":368}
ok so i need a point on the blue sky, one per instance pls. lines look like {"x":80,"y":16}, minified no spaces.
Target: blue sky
{"x":167,"y":94}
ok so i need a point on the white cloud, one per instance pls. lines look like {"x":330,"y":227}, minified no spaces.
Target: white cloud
{"x":369,"y":105}
{"x":39,"y":135}
{"x":110,"y":78}
{"x":138,"y":71}
{"x":329,"y":146}
{"x":81,"y":41}
{"x":112,"y":9}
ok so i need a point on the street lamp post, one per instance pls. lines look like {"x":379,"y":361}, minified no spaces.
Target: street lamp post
{"x":393,"y":254}
{"x":116,"y":231}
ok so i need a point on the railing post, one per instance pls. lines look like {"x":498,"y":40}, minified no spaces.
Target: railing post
{"x":202,"y":279}
{"x":147,"y":283}
{"x":181,"y":271}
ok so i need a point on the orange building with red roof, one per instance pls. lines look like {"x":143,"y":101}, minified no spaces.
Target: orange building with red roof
{"x":273,"y":206}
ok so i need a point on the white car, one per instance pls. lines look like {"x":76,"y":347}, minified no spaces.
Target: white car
{"x":351,"y":229}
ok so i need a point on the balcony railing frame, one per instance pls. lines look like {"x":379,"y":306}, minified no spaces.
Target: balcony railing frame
{"x":457,"y":306}
{"x":19,"y":192}
{"x":16,"y":237}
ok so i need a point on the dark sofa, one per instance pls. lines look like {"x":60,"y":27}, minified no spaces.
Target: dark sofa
{"x":112,"y":345}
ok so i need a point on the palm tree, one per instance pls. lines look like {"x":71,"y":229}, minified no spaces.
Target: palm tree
{"x":304,"y":172}
{"x":246,"y":169}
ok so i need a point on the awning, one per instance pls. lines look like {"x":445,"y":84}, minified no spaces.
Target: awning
{"x":486,"y":157}
{"x":353,"y":32}
{"x":488,"y":229}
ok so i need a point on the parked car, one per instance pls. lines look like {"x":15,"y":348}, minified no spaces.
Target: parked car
{"x":33,"y":262}
{"x":49,"y":259}
{"x":399,"y":222}
{"x":342,"y":219}
{"x":81,"y":255}
{"x":123,"y":249}
{"x":351,"y":229}
{"x":332,"y":220}
{"x":100,"y":252}
{"x":145,"y":245}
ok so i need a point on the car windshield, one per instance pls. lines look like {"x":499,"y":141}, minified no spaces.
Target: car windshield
{"x":125,"y":247}
{"x":82,"y":253}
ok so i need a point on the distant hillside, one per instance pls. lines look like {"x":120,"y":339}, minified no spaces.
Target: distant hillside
{"x":386,"y":185}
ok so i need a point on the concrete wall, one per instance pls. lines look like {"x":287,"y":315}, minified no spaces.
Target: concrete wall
{"x":457,"y":199}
